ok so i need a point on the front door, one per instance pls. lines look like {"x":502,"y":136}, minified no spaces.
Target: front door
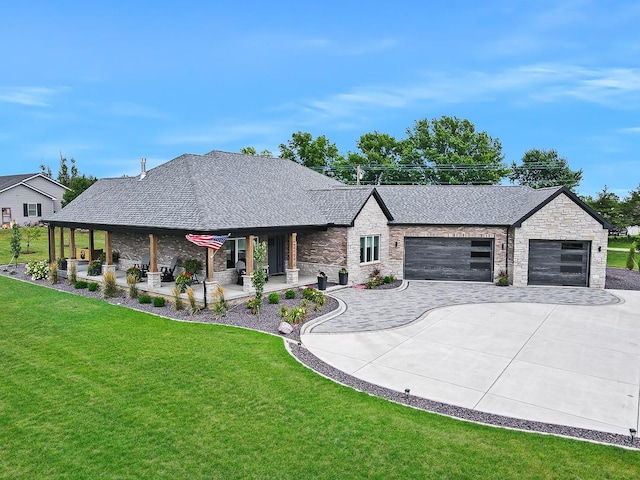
{"x":276,"y":254}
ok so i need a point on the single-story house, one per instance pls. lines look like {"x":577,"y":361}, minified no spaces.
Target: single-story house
{"x":28,"y":198}
{"x":313,"y":223}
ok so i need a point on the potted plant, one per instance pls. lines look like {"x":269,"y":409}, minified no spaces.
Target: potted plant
{"x":183,"y":280}
{"x":134,"y":271}
{"x":192,"y":266}
{"x":94,"y":268}
{"x":62,"y":263}
{"x":322,"y":281}
{"x":343,"y":276}
{"x":503,"y":279}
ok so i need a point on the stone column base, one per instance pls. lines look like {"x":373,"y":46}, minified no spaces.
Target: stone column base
{"x":154,"y":280}
{"x":108,"y":268}
{"x":247,"y":286}
{"x":292,"y":275}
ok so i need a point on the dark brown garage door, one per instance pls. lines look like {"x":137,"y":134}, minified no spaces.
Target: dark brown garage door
{"x":433,"y":258}
{"x":555,"y":262}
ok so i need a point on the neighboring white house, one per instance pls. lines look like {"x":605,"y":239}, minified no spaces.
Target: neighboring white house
{"x":633,"y":230}
{"x":27,"y":198}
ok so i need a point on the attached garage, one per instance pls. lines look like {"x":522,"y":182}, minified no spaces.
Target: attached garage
{"x":448,"y":258}
{"x":559,"y":262}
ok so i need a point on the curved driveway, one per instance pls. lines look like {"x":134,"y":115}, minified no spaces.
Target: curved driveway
{"x":568,"y":356}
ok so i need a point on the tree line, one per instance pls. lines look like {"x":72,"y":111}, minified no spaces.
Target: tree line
{"x":446,"y":151}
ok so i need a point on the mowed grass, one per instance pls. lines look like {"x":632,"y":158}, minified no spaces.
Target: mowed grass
{"x":618,"y":259}
{"x":91,"y":390}
{"x":39,"y":247}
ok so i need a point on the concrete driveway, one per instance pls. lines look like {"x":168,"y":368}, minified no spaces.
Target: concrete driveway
{"x":557,"y":362}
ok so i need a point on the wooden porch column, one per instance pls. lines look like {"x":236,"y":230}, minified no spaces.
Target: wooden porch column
{"x":250,"y":255}
{"x":210,"y":258}
{"x":52,"y":244}
{"x":293,"y":250}
{"x":72,"y":243}
{"x":153,"y":253}
{"x":108,"y":245}
{"x":91,"y":245}
{"x":62,"y":242}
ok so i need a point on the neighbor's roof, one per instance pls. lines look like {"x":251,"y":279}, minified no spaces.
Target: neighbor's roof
{"x":218,"y":191}
{"x":10,"y":181}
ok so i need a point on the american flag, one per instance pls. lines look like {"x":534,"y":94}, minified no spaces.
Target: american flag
{"x":208,"y":241}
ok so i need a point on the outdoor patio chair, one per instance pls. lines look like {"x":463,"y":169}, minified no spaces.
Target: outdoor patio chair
{"x":167,"y":272}
{"x":241,"y":269}
{"x":144,"y":264}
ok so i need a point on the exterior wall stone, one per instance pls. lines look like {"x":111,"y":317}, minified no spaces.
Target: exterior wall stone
{"x":133,"y":245}
{"x":370,"y":221}
{"x":398,"y":233}
{"x":561,"y":219}
{"x":322,"y":251}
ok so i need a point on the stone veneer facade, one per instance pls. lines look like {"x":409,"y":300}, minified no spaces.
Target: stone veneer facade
{"x":322,"y":251}
{"x":560,"y":219}
{"x":399,"y":232}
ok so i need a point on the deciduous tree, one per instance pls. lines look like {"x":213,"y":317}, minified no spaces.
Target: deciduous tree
{"x":453,"y":152}
{"x":543,"y":168}
{"x":318,"y":154}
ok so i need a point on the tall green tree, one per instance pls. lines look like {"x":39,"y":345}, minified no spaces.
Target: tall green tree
{"x":376,"y":160}
{"x":16,"y":248}
{"x":318,"y":154}
{"x":252,"y":151}
{"x":608,"y":205}
{"x":631,"y":208}
{"x":71,"y":178}
{"x":453,"y":152}
{"x":543,"y":168}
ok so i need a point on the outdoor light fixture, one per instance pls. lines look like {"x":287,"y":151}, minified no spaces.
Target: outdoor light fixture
{"x":396,"y":244}
{"x":632,"y":432}
{"x":600,"y":249}
{"x":407,"y":392}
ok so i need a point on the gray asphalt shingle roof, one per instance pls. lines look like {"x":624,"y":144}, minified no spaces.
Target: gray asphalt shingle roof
{"x":220,"y":192}
{"x":7,"y":181}
{"x":461,"y":204}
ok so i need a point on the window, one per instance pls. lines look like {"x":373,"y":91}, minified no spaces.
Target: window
{"x":236,"y":249}
{"x":370,"y":248}
{"x":32,"y":209}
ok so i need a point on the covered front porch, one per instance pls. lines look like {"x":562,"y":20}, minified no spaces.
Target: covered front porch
{"x":232,"y":292}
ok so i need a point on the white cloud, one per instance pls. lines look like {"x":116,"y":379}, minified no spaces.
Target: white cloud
{"x":29,"y":96}
{"x":630,"y":130}
{"x":129,"y":109}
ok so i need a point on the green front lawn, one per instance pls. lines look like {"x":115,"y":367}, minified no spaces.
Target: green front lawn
{"x":618,"y":259}
{"x":91,"y":390}
{"x":39,"y":247}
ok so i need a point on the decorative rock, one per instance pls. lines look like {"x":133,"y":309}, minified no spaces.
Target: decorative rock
{"x":285,"y":328}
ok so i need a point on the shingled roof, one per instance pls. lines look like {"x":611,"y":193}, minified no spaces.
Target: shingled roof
{"x":230,"y":192}
{"x":218,"y":191}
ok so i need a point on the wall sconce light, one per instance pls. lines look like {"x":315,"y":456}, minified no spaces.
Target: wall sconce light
{"x":503,"y":246}
{"x":396,"y":244}
{"x":600,"y":249}
{"x":632,"y":432}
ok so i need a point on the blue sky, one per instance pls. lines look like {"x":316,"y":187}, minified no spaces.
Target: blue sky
{"x":110,"y":82}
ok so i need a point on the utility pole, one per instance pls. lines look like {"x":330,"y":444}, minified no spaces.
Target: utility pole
{"x":358,"y":174}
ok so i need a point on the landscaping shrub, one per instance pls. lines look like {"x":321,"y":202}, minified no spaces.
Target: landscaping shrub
{"x":389,"y":279}
{"x":158,"y":302}
{"x":38,"y":269}
{"x":177,"y":300}
{"x":93,"y":286}
{"x":80,"y":284}
{"x":290,"y":294}
{"x":73,"y":278}
{"x":53,"y":273}
{"x":273,"y":298}
{"x":308,"y":293}
{"x":144,"y":299}
{"x":132,"y":281}
{"x":191,"y":295}
{"x":631,"y":258}
{"x":294,"y":315}
{"x":109,"y":287}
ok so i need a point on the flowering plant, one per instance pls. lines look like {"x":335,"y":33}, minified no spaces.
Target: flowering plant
{"x":38,"y":269}
{"x":183,"y":279}
{"x":94,"y":268}
{"x":134,"y":271}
